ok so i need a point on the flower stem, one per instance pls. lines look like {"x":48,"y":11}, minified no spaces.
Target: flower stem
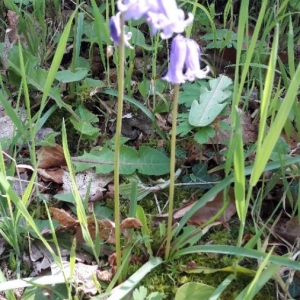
{"x":172,"y":170}
{"x":117,"y":147}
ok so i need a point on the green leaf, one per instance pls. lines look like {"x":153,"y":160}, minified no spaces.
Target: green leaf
{"x":85,"y":128}
{"x":140,"y":293}
{"x":194,"y":291}
{"x":204,"y":134}
{"x":200,"y":177}
{"x":84,"y":125}
{"x":295,"y":4}
{"x":69,"y":76}
{"x":190,"y":93}
{"x":138,"y":38}
{"x":147,"y":161}
{"x":156,"y":296}
{"x":183,"y":127}
{"x":212,"y":101}
{"x":153,"y":162}
{"x":128,"y":158}
{"x":224,"y":38}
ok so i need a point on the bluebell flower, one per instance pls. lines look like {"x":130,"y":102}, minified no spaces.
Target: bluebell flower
{"x":177,"y":60}
{"x":185,"y":54}
{"x":161,"y":15}
{"x":135,"y":9}
{"x":115,"y":31}
{"x":168,"y":18}
{"x":192,"y":62}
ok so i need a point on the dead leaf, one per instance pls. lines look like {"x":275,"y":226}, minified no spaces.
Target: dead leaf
{"x":53,"y":175}
{"x":249,"y":129}
{"x":50,"y":157}
{"x":131,"y":223}
{"x":112,"y":259}
{"x":212,"y":207}
{"x":41,"y":258}
{"x":288,"y":229}
{"x":64,"y":218}
{"x":110,"y":194}
{"x":106,"y":228}
{"x":85,"y":181}
{"x":206,"y":212}
{"x":12,"y":29}
{"x":82,"y":275}
{"x":105,"y":276}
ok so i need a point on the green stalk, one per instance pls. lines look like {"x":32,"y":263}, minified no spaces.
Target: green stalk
{"x":117,"y":145}
{"x":172,"y":169}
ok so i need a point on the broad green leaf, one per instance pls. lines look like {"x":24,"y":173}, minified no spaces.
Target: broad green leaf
{"x":224,"y":38}
{"x":295,"y":4}
{"x":190,"y":93}
{"x":147,"y":161}
{"x":199,"y":178}
{"x":69,"y":76}
{"x":140,"y":293}
{"x":184,"y":126}
{"x":204,"y":134}
{"x":85,"y":127}
{"x":101,"y":160}
{"x":212,"y":101}
{"x":138,"y":38}
{"x":128,"y":158}
{"x":153,"y":162}
{"x":194,"y":291}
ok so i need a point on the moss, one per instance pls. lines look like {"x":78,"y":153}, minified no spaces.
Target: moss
{"x":168,"y":278}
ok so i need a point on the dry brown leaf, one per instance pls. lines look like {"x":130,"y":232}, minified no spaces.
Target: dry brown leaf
{"x":212,"y":207}
{"x":206,"y":212}
{"x":131,"y":223}
{"x":288,"y":230}
{"x":53,"y":175}
{"x":12,"y":19}
{"x":106,"y":230}
{"x":50,"y":157}
{"x":112,"y":259}
{"x":82,"y":275}
{"x":249,"y":129}
{"x":110,"y":194}
{"x":41,"y":258}
{"x":105,"y":276}
{"x":87,"y":181}
{"x":64,"y":218}
{"x":12,"y":29}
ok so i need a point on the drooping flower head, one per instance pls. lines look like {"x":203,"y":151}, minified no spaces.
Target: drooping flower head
{"x":177,"y":60}
{"x":185,"y":54}
{"x":115,"y":31}
{"x":135,"y":9}
{"x":192,"y":62}
{"x":168,"y":18}
{"x":161,"y":15}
